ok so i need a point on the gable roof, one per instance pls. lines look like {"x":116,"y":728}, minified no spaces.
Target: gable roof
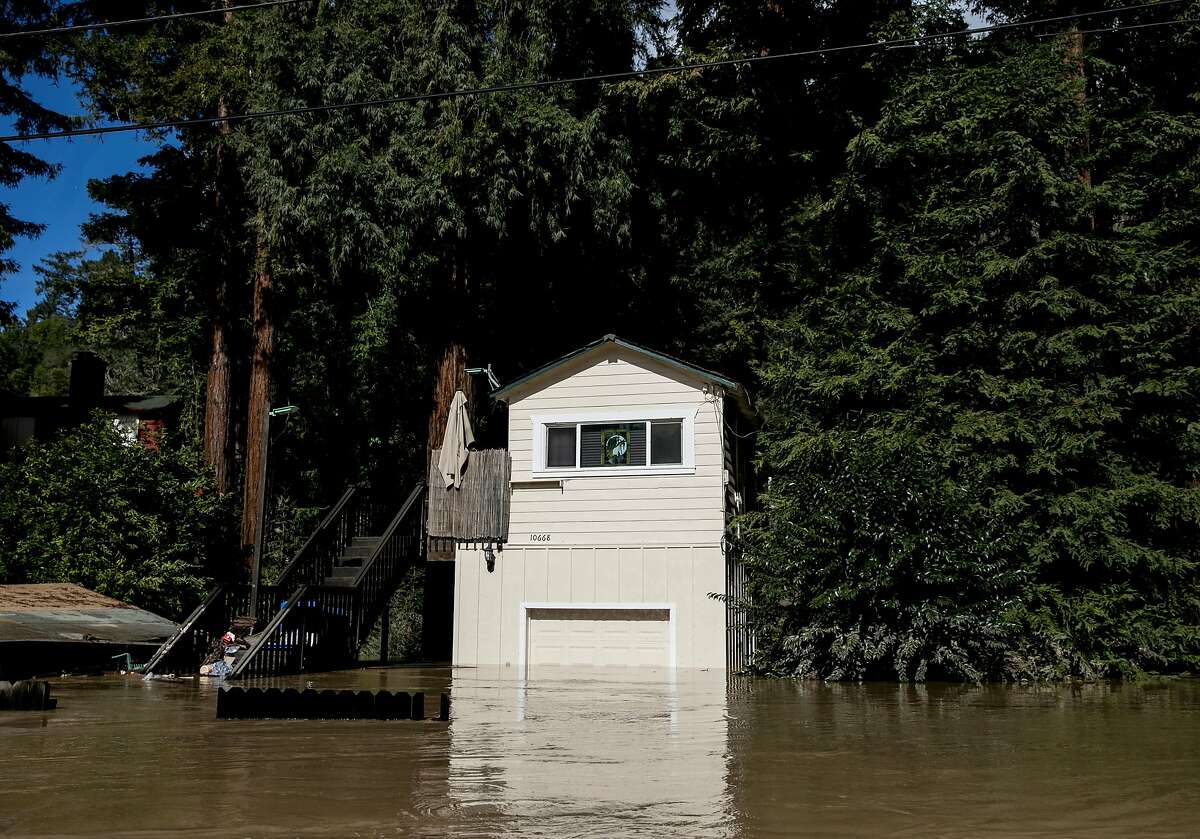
{"x":735,"y":389}
{"x":45,"y":406}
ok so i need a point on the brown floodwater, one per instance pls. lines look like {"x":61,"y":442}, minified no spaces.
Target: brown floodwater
{"x":612,"y":754}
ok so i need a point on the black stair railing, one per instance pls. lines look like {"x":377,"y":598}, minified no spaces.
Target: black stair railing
{"x":187,"y":645}
{"x":354,"y":514}
{"x":323,"y":626}
{"x":280,"y":645}
{"x":399,"y":548}
{"x":314,"y":561}
{"x":187,"y":648}
{"x":307,"y":633}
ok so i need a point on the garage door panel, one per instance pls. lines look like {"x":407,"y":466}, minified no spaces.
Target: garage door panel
{"x":599,"y":637}
{"x":619,"y":613}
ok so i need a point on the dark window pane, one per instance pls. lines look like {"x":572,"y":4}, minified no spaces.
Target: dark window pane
{"x":613,"y":444}
{"x":666,"y":442}
{"x":560,"y":445}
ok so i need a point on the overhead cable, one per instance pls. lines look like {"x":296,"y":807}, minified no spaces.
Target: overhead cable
{"x":1100,"y":30}
{"x":90,"y":27}
{"x":516,"y":87}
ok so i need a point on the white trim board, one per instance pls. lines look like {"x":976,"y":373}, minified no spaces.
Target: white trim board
{"x":523,"y":625}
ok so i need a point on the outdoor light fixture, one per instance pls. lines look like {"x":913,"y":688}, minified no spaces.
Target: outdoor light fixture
{"x":286,"y":409}
{"x":485,"y":371}
{"x":489,"y":556}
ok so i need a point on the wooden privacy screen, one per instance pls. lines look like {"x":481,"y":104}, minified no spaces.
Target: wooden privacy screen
{"x":476,"y":512}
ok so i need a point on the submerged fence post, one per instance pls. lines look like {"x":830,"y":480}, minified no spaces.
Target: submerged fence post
{"x":26,"y":696}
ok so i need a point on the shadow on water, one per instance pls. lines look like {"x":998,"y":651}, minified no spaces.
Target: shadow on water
{"x":612,"y":753}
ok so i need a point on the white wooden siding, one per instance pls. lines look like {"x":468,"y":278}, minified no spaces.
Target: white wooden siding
{"x":487,"y":624}
{"x":620,"y":509}
{"x":616,"y":538}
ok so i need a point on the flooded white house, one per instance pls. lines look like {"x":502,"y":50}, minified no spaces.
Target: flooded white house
{"x":598,"y":536}
{"x":626,"y":468}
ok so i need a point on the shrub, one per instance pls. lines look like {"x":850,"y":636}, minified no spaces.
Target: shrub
{"x":88,"y":507}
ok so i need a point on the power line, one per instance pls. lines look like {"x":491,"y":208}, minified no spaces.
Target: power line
{"x":88,"y":27}
{"x":1103,"y":29}
{"x":85,"y":27}
{"x":515,"y":87}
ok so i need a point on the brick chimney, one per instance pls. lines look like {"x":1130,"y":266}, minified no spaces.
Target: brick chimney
{"x":87,"y":379}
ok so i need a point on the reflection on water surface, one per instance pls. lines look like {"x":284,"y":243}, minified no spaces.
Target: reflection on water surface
{"x":609,"y":753}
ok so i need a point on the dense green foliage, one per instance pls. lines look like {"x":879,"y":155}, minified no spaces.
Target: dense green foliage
{"x":982,"y":308}
{"x":90,"y":508}
{"x":35,"y":352}
{"x":404,"y":623}
{"x":900,"y":569}
{"x":417,"y":225}
{"x":960,"y":279}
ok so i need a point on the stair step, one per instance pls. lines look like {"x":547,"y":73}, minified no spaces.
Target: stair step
{"x":362,"y":552}
{"x":350,"y":562}
{"x":342,"y":577}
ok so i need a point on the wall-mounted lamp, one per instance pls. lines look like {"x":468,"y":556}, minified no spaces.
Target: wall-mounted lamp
{"x":485,"y":371}
{"x":489,"y":557}
{"x":285,"y":409}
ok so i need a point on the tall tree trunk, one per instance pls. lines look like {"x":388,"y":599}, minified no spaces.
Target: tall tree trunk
{"x":259,"y":403}
{"x":451,"y":376}
{"x":217,"y":450}
{"x":1073,"y":58}
{"x":216,"y":397}
{"x":452,"y":366}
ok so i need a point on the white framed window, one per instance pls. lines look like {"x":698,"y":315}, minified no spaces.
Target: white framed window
{"x":657,"y":441}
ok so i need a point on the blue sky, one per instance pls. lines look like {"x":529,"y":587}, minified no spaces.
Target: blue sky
{"x":61,"y":203}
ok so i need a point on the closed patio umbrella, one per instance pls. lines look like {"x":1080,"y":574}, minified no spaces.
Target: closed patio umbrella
{"x":452,"y":461}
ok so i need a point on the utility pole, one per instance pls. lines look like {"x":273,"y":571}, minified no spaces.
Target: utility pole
{"x":260,"y":529}
{"x":256,"y":558}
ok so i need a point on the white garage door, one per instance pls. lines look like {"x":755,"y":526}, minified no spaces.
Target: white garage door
{"x":619,"y":637}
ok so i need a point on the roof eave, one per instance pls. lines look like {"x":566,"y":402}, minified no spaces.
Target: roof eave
{"x":504,"y":393}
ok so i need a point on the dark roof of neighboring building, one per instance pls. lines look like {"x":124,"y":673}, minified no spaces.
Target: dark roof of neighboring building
{"x":699,"y":372}
{"x":67,"y":612}
{"x":40,"y":406}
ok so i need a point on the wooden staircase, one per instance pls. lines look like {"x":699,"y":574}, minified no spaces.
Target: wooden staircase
{"x":325,"y":602}
{"x":346,"y":567}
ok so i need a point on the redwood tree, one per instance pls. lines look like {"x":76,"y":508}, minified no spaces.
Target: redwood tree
{"x":176,"y":69}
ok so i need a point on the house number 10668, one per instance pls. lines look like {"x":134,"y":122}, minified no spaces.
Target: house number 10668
{"x":539,"y":537}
